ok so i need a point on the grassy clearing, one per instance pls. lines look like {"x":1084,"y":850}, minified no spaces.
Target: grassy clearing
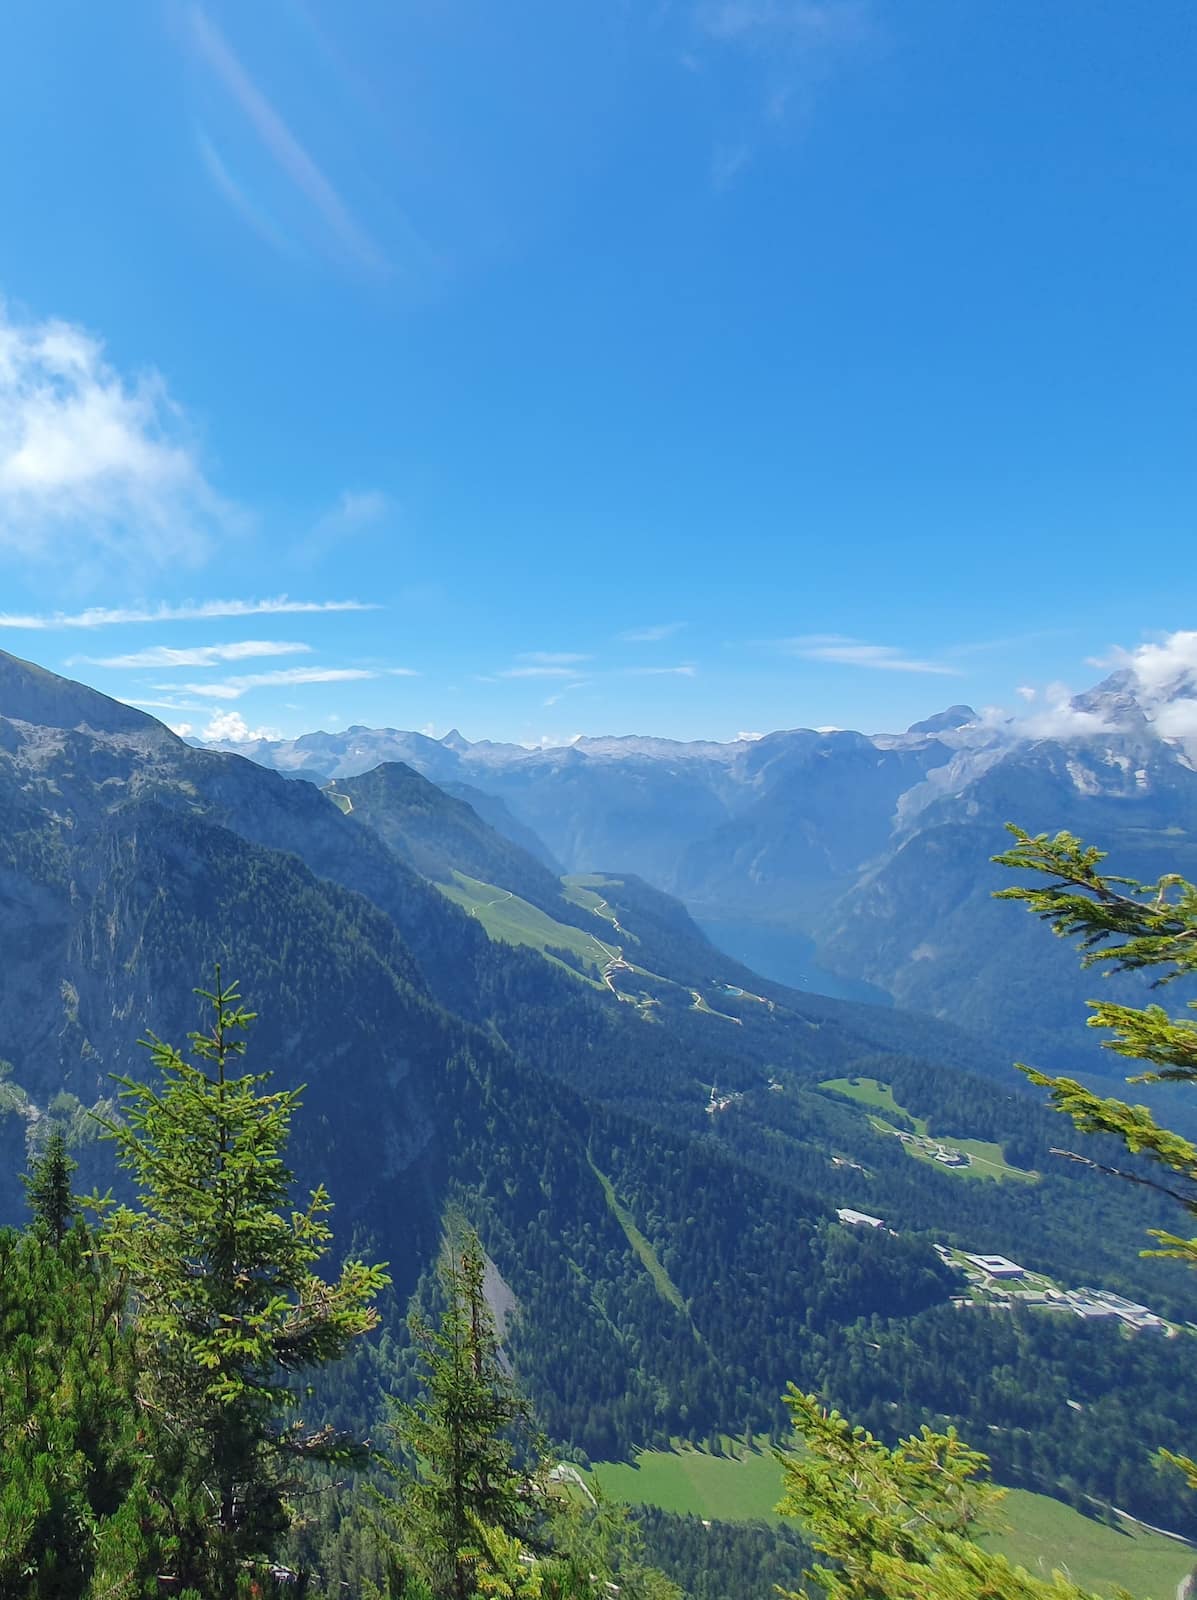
{"x":868,"y":1092}
{"x":700,"y":1004}
{"x":511,"y":920}
{"x":649,"y":1259}
{"x":1039,"y":1533}
{"x":1042,"y":1533}
{"x":986,"y":1158}
{"x":728,"y":1488}
{"x":583,"y":891}
{"x":514,"y":921}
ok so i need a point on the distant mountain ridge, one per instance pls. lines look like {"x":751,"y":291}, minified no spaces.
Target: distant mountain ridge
{"x":834,"y":855}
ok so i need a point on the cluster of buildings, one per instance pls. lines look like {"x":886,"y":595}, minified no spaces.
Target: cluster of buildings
{"x":945,"y":1154}
{"x":994,"y":1273}
{"x":1007,"y":1284}
{"x":1100,"y":1303}
{"x":720,"y":1102}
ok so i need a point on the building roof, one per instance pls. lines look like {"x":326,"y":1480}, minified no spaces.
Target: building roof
{"x":857,"y":1219}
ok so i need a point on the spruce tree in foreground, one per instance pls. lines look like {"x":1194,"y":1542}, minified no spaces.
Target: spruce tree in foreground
{"x":48,"y":1189}
{"x":901,"y":1523}
{"x":461,"y":1439}
{"x":475,"y":1509}
{"x":76,"y":1517}
{"x":228,"y":1306}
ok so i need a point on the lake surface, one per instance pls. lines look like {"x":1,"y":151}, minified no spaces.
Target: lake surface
{"x":788,"y":957}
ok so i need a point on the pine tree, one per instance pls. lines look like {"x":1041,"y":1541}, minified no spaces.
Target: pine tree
{"x":227,"y":1304}
{"x":48,"y":1188}
{"x":475,"y":1509}
{"x":463,"y":1438}
{"x":76,"y":1516}
{"x":899,"y":1524}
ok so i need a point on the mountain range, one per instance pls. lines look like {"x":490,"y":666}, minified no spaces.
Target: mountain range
{"x":843,"y":862}
{"x":654,"y":1141}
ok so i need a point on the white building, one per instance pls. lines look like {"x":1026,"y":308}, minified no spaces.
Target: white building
{"x":997,"y":1266}
{"x":858,"y":1219}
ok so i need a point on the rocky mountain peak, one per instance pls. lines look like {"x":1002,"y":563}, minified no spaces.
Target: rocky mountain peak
{"x":958,"y":716}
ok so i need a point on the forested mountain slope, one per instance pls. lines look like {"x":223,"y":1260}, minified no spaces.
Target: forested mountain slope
{"x":833,"y":856}
{"x":647,"y":1142}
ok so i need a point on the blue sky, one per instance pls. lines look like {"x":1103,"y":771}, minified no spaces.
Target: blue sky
{"x":683,"y":368}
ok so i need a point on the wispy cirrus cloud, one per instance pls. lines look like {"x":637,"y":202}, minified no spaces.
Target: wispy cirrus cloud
{"x":542,"y":671}
{"x":812,"y":25}
{"x":234,"y":688}
{"x":579,"y":683}
{"x":686,"y":670}
{"x":190,"y":611}
{"x":552,"y":658}
{"x":792,"y":46}
{"x":358,"y":512}
{"x":345,"y":238}
{"x":202,"y":655}
{"x":251,"y":212}
{"x":160,"y":705}
{"x":96,"y":466}
{"x":653,"y":634}
{"x":839,"y":649}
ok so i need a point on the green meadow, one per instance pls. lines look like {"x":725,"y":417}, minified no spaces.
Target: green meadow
{"x":987,"y":1158}
{"x":514,"y":921}
{"x":1035,"y":1531}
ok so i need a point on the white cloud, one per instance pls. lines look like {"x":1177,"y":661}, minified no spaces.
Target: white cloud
{"x":748,"y":738}
{"x":230,"y":727}
{"x":1054,"y":716}
{"x":191,"y":611}
{"x":550,"y":741}
{"x":1177,"y":720}
{"x":840,"y":650}
{"x":202,"y":655}
{"x":234,"y":688}
{"x":685,"y":671}
{"x":537,"y":672}
{"x":652,"y":634}
{"x":552,"y":658}
{"x":93,"y":465}
{"x":182,"y":729}
{"x":1164,"y":679}
{"x":1062,"y":720}
{"x":1163,"y":666}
